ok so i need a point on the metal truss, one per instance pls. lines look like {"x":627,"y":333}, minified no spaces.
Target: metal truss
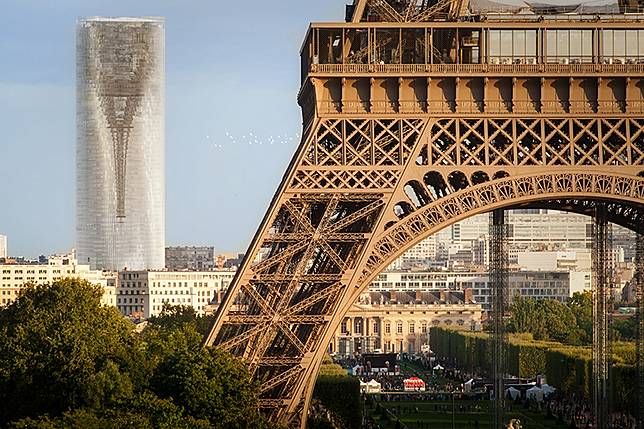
{"x":638,"y":281}
{"x":499,"y":275}
{"x":377,"y":171}
{"x":414,"y":11}
{"x":359,"y":193}
{"x":602,"y":308}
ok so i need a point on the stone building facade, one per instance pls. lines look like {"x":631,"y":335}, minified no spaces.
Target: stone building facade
{"x":399,"y":321}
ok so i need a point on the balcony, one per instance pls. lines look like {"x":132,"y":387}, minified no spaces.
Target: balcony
{"x":477,"y":69}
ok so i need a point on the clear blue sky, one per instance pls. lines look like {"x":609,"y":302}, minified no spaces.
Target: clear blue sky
{"x":232,"y":69}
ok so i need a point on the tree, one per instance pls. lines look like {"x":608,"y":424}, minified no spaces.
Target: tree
{"x":581,"y":305}
{"x":625,"y":330}
{"x":68,"y":362}
{"x":145,"y":411}
{"x":209,"y":383}
{"x":61,"y":349}
{"x":526,"y":317}
{"x":559,"y":320}
{"x":173,"y":316}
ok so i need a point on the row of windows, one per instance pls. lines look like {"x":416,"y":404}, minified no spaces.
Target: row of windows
{"x":519,"y":46}
{"x":160,"y":307}
{"x":162,"y":292}
{"x":573,"y":45}
{"x":25,"y":279}
{"x":411,"y":326}
{"x":179,"y":284}
{"x":129,"y":309}
{"x":131,"y":300}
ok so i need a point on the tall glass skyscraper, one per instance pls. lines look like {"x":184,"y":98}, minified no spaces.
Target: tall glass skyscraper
{"x":120,"y":181}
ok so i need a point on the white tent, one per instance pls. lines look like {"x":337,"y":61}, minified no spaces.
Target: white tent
{"x":356,"y":370}
{"x":512,"y":392}
{"x":467,"y":386}
{"x":535,"y":393}
{"x":363,"y":386}
{"x":438,"y":367}
{"x":548,"y":389}
{"x":374,"y":387}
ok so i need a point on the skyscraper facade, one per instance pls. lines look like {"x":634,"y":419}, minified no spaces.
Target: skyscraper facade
{"x":3,"y":246}
{"x":120,"y":194}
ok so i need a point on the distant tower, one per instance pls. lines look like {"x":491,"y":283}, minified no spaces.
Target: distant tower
{"x":120,"y":181}
{"x":3,"y":246}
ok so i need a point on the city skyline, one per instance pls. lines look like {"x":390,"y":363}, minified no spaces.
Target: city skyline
{"x":206,"y":138}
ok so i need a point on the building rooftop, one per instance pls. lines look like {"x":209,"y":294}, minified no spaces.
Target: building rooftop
{"x":415,"y":297}
{"x":140,"y":19}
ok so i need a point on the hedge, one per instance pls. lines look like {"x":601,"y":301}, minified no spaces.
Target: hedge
{"x":568,"y":368}
{"x":341,"y":395}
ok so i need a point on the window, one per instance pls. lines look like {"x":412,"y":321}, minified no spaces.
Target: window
{"x":512,"y":46}
{"x":569,"y":46}
{"x":399,"y":327}
{"x":343,"y":327}
{"x":387,"y":328}
{"x":412,"y":327}
{"x":423,"y":327}
{"x":623,"y":46}
{"x":357,"y":328}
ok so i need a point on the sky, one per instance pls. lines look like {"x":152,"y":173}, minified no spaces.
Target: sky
{"x":232,"y":119}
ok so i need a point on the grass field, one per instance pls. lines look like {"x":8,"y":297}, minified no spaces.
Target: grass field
{"x":423,"y":414}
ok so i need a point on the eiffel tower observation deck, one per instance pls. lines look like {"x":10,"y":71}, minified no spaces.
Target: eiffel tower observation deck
{"x":419,"y":114}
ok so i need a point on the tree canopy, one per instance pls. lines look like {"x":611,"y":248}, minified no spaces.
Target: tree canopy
{"x":548,"y":319}
{"x":66,"y":361}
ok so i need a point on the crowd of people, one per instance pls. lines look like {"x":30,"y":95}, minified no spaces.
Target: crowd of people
{"x":573,"y":411}
{"x":577,"y":412}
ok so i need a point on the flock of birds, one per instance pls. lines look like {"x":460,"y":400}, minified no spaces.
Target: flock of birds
{"x":251,"y":139}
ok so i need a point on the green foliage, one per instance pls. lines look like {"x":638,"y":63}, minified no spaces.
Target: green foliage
{"x":145,"y":411}
{"x":545,"y":319}
{"x":625,"y":330}
{"x":174,"y":316}
{"x":330,"y":369}
{"x":581,"y":305}
{"x":208,"y":383}
{"x":59,"y":346}
{"x":341,"y":396}
{"x":567,"y":367}
{"x":68,"y":362}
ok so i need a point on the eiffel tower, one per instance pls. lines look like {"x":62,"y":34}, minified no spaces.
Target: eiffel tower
{"x":417,"y":115}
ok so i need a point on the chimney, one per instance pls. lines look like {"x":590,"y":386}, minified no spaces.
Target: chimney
{"x":419,"y":296}
{"x":468,"y":296}
{"x":392,"y":292}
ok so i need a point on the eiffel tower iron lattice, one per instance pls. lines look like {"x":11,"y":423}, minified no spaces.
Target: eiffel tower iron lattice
{"x":394,"y":151}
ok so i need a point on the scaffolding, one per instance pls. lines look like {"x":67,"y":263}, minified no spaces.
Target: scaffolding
{"x":602,"y":290}
{"x":499,"y":233}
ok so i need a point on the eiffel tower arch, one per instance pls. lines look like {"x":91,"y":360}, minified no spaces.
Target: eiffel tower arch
{"x":410,"y":125}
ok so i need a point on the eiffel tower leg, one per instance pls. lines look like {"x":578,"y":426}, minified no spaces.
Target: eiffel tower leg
{"x":499,"y":293}
{"x":602,"y":281}
{"x":639,"y":289}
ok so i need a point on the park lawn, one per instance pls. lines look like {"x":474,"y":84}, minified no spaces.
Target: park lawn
{"x":428,"y":418}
